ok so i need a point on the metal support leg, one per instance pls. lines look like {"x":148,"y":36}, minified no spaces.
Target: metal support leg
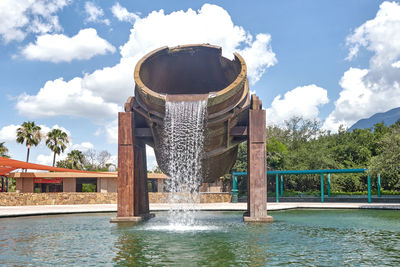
{"x":322,"y":187}
{"x":256,"y":165}
{"x":133,"y":200}
{"x":379,"y":184}
{"x":329,"y":184}
{"x":277,"y":187}
{"x":369,"y":188}
{"x":234,"y":189}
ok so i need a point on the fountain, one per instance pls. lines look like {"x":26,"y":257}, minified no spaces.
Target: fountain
{"x":190,"y":130}
{"x":170,"y":82}
{"x":183,"y":150}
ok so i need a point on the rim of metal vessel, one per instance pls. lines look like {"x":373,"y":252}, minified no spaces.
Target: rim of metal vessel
{"x":213,"y":94}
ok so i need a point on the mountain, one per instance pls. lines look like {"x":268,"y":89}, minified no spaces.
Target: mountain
{"x":388,"y":117}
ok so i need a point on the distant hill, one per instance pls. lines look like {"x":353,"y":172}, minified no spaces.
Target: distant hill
{"x":388,"y":117}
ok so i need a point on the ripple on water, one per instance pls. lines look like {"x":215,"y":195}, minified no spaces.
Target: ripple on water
{"x":180,"y":228}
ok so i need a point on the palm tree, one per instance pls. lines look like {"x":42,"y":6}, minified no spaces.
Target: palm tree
{"x":30,"y":134}
{"x":56,"y":141}
{"x":76,"y":159}
{"x":3,"y":150}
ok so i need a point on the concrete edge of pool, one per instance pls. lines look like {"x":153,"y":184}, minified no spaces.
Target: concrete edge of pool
{"x":17,"y":211}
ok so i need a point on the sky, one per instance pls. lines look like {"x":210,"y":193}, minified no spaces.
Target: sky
{"x":69,"y":64}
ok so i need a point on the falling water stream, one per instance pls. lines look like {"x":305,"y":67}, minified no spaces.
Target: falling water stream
{"x":183,"y":140}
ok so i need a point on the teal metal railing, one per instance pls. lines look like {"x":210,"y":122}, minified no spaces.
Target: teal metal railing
{"x":296,"y":172}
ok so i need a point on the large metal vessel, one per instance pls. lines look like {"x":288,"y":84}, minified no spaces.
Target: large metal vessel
{"x":195,"y":72}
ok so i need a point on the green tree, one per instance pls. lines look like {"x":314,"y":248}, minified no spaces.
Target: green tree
{"x":276,"y":152}
{"x":3,"y":150}
{"x":75,"y":160}
{"x":302,"y":145}
{"x":56,"y":141}
{"x":387,"y":162}
{"x":29,"y":133}
{"x":298,"y":131}
{"x":241,"y":160}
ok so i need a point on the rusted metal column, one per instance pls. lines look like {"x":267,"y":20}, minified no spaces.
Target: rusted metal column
{"x":141,"y":195}
{"x":256,"y":165}
{"x":133,"y":204}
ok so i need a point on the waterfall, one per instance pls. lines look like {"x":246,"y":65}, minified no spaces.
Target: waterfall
{"x":183,"y":149}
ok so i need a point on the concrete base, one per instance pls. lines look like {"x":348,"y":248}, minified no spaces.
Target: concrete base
{"x":134,"y":219}
{"x":266,"y":218}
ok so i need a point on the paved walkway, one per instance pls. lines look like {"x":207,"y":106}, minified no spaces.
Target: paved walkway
{"x":14,"y":211}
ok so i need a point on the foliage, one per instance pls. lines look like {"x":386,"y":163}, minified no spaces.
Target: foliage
{"x":241,"y":161}
{"x":56,"y":140}
{"x":75,"y":160}
{"x":303,"y":145}
{"x":157,"y":169}
{"x":387,"y":160}
{"x":88,"y":188}
{"x":3,"y":150}
{"x":276,"y":152}
{"x":29,"y":133}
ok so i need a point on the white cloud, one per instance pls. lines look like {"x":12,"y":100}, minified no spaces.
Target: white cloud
{"x":150,"y":158}
{"x":211,"y":24}
{"x":21,"y":17}
{"x":258,"y":56}
{"x":45,"y":129}
{"x":302,"y":101}
{"x":150,"y":151}
{"x":112,"y":132}
{"x":376,"y":89}
{"x":61,"y":48}
{"x":66,"y":98}
{"x":47,"y":159}
{"x":95,"y":13}
{"x":122,"y":14}
{"x":102,"y":93}
{"x":8,"y":133}
{"x":380,"y":35}
{"x":113,"y":84}
{"x":82,"y":146}
{"x":396,"y":64}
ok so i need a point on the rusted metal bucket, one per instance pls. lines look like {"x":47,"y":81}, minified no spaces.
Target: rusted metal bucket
{"x":189,"y":73}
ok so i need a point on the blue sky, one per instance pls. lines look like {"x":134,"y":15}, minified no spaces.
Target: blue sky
{"x":69,"y":64}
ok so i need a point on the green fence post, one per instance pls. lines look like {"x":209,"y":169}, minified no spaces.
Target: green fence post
{"x":329,"y":184}
{"x":379,"y":185}
{"x":277,"y":187}
{"x":234,"y":189}
{"x":322,"y":187}
{"x":369,"y":188}
{"x":281,"y":185}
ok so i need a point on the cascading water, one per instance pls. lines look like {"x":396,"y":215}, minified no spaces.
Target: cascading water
{"x":183,"y":140}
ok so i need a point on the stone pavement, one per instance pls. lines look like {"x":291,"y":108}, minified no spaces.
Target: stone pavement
{"x":15,"y":211}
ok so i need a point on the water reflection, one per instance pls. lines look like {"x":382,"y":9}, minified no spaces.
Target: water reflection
{"x":152,"y":242}
{"x":223,"y":240}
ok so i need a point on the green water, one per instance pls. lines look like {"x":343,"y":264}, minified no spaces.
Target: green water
{"x":296,"y":238}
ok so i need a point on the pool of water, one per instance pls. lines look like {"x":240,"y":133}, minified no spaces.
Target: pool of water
{"x":297,"y":237}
